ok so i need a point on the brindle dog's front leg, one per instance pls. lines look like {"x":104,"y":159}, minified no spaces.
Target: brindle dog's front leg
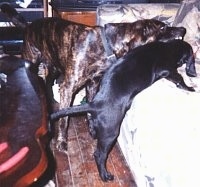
{"x":51,"y":77}
{"x":92,"y":87}
{"x":177,"y":79}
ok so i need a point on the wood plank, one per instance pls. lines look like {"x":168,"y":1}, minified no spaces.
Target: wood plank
{"x":78,"y":167}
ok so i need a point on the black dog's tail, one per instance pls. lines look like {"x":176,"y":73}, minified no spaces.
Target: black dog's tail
{"x":15,"y":17}
{"x":84,"y":108}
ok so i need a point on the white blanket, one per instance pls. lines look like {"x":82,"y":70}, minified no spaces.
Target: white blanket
{"x":160,"y":137}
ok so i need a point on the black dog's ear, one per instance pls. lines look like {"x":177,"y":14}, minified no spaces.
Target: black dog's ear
{"x":190,"y":66}
{"x":189,"y":60}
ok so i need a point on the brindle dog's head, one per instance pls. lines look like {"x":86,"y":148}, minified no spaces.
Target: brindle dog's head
{"x":125,"y":36}
{"x":9,"y":64}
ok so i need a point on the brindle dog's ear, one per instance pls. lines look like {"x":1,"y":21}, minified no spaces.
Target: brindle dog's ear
{"x":110,"y":29}
{"x":110,"y":33}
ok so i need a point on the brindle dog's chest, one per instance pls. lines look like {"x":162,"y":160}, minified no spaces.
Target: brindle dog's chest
{"x":85,"y":58}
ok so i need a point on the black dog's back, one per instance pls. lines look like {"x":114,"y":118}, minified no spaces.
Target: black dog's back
{"x":144,"y":65}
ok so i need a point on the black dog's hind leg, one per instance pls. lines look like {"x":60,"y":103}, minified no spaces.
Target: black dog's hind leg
{"x":177,"y":79}
{"x":104,"y":146}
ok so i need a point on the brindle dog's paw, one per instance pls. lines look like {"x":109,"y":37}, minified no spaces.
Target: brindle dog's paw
{"x":107,"y":177}
{"x":61,"y":146}
{"x":92,"y":131}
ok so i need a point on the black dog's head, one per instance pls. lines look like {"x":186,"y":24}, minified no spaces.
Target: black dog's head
{"x":123,"y":37}
{"x":181,"y":52}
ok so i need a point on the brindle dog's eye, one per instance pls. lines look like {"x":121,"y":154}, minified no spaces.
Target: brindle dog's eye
{"x":163,"y":28}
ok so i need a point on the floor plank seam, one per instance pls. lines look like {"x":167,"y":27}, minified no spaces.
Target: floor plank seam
{"x":82,"y":157}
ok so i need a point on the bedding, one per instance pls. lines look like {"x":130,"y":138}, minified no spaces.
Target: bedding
{"x":160,"y":137}
{"x":116,"y":13}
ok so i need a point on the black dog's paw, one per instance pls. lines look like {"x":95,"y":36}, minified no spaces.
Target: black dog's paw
{"x":191,"y":89}
{"x":183,"y":86}
{"x":187,"y":88}
{"x":107,"y":177}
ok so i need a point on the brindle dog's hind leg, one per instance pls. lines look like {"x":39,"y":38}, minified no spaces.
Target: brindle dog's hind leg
{"x":61,"y":140}
{"x":66,"y":91}
{"x":91,"y":125}
{"x":91,"y":89}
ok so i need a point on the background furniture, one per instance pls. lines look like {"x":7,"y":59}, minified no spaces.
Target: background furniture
{"x":83,"y":11}
{"x":11,"y":37}
{"x":23,"y":124}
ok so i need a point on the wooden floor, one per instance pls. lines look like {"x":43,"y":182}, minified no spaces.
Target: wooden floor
{"x":77,"y":168}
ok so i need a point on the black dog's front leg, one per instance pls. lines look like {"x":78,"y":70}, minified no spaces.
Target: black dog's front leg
{"x":177,"y":79}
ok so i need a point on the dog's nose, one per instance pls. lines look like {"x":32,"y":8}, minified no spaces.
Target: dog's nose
{"x":183,"y":30}
{"x":180,"y":33}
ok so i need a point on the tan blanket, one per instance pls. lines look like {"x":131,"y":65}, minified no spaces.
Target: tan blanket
{"x":132,"y":12}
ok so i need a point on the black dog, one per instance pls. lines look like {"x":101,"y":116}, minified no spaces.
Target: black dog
{"x":81,"y":54}
{"x":122,"y":82}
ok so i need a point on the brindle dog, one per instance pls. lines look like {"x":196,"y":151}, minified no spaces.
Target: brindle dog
{"x":79,"y":54}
